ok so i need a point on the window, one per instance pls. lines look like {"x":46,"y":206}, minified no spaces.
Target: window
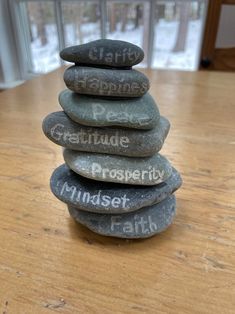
{"x":44,"y":45}
{"x":81,"y":21}
{"x":169,"y":31}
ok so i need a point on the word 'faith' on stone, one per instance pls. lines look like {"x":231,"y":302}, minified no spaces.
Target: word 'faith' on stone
{"x":139,"y":223}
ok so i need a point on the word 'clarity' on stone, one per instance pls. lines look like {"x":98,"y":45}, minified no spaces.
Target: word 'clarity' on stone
{"x":114,"y":53}
{"x":143,"y":223}
{"x":119,"y":169}
{"x":109,"y":198}
{"x":60,"y":129}
{"x":106,"y":82}
{"x":139,"y":113}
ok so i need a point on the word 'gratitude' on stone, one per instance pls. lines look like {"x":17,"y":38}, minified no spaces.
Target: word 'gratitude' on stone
{"x":94,"y":138}
{"x":62,"y":130}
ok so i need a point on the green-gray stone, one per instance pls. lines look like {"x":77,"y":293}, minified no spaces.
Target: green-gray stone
{"x":107,"y":52}
{"x":119,"y":169}
{"x":143,"y":223}
{"x":60,"y":129}
{"x":139,"y":113}
{"x":106,"y":82}
{"x":107,"y":197}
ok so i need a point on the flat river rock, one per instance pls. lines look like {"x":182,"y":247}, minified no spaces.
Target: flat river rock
{"x":107,"y":52}
{"x":138,"y":113}
{"x":119,"y":169}
{"x":60,"y":129}
{"x":108,"y":198}
{"x":144,"y":223}
{"x":106,"y":82}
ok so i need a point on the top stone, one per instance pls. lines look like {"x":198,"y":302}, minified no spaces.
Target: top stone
{"x":104,"y":52}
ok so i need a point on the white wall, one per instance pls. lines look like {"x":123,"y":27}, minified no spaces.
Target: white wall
{"x":9,"y":74}
{"x":226,"y":31}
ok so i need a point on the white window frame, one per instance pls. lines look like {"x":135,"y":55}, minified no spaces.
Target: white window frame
{"x":20,"y":28}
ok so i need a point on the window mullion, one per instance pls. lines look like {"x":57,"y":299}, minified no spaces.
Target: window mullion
{"x":22,"y":36}
{"x":59,"y":25}
{"x":103,"y":17}
{"x":151,"y":32}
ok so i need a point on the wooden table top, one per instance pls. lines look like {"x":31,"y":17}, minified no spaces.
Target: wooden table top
{"x":48,"y":263}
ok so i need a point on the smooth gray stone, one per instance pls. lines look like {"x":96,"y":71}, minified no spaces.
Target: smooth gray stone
{"x":106,"y":82}
{"x":119,"y":169}
{"x":113,"y":53}
{"x":108,"y":198}
{"x":60,"y":129}
{"x":143,"y":223}
{"x":139,"y":113}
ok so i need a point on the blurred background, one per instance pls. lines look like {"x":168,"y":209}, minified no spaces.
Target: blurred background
{"x":177,"y":34}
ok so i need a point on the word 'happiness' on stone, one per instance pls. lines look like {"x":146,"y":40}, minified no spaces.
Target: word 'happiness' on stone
{"x":92,"y":138}
{"x":95,"y":199}
{"x":105,"y":87}
{"x":152,"y":174}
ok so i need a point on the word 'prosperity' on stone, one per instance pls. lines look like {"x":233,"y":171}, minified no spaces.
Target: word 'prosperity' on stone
{"x":122,"y":174}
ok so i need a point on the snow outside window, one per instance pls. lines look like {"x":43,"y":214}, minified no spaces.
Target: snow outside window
{"x":170,"y":32}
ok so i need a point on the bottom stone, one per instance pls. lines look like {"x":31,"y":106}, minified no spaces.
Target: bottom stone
{"x":142,"y":223}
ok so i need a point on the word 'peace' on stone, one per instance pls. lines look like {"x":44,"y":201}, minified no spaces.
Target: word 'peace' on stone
{"x":98,"y":111}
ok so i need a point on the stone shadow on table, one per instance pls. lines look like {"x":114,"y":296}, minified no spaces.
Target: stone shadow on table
{"x":79,"y":232}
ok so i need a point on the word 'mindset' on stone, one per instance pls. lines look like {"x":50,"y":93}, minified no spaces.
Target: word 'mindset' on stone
{"x":114,"y":181}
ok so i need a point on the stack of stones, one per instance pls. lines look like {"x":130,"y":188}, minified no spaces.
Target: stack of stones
{"x":114,"y":181}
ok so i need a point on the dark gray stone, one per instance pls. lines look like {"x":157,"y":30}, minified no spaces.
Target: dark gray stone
{"x":108,"y":198}
{"x":143,"y":223}
{"x":60,"y":129}
{"x":113,"y":53}
{"x":139,"y":113}
{"x":106,"y":82}
{"x":119,"y":169}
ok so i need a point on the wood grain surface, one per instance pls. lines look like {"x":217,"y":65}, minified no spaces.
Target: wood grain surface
{"x":49,"y":264}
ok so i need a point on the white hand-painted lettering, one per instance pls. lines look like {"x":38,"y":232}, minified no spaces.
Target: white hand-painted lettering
{"x":124,"y":55}
{"x":59,"y":133}
{"x":151,"y":174}
{"x":98,"y":199}
{"x":105,"y":87}
{"x":99,"y":111}
{"x":139,"y":225}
